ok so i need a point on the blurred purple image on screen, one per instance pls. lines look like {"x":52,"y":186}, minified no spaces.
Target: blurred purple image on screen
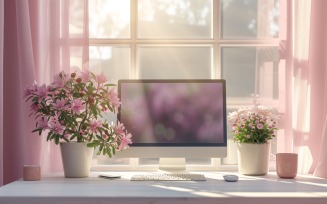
{"x":173,"y":112}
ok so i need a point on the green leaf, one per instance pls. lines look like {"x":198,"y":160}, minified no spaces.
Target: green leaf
{"x":104,"y":150}
{"x":110,"y":85}
{"x":65,"y":139}
{"x":101,"y":129}
{"x":101,"y":147}
{"x":105,"y":125}
{"x":113,"y":150}
{"x":98,"y":95}
{"x":111,"y":109}
{"x":94,"y":111}
{"x":49,"y":136}
{"x":73,"y":136}
{"x":36,"y":130}
{"x":109,"y":152}
{"x":99,"y":138}
{"x":57,"y":139}
{"x":29,"y":98}
{"x":94,"y":143}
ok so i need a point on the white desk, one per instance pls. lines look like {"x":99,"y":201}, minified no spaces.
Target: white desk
{"x":264,"y":190}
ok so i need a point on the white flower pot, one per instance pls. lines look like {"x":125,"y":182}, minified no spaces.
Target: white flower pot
{"x":76,"y":158}
{"x":253,"y":159}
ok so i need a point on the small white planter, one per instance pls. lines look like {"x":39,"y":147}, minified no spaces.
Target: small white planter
{"x":253,"y":159}
{"x":76,"y":158}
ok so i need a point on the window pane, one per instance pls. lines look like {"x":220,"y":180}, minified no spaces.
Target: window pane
{"x":175,"y":62}
{"x":76,"y":56}
{"x":71,"y":56}
{"x":250,"y":70}
{"x":109,"y":19}
{"x":114,"y":61}
{"x":175,"y":19}
{"x":71,"y":18}
{"x":249,"y":18}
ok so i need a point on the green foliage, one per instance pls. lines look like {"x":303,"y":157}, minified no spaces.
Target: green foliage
{"x":255,"y":124}
{"x":69,"y":110}
{"x":254,"y":128}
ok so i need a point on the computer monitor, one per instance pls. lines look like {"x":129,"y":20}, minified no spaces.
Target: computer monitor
{"x":174,"y":119}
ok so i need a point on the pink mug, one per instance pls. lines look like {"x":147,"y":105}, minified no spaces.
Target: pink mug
{"x":31,"y":173}
{"x":286,"y":165}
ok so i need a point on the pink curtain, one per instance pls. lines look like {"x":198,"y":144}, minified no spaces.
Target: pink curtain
{"x":319,"y":61}
{"x":37,"y":45}
{"x":1,"y":90}
{"x":306,"y":84}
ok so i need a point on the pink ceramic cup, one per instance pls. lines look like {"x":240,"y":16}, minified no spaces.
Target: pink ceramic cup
{"x":31,"y":173}
{"x":286,"y":165}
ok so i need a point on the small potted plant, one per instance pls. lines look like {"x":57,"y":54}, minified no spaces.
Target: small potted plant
{"x":68,"y":111}
{"x":253,"y":128}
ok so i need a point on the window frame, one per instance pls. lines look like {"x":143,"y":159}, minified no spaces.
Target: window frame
{"x":216,"y":42}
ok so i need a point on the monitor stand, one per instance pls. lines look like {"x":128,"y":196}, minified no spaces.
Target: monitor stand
{"x":172,"y":164}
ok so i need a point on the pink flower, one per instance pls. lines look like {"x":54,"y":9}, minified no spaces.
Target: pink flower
{"x":77,"y":106}
{"x":119,"y":128}
{"x":42,"y":92}
{"x":94,"y":125}
{"x":248,"y":136}
{"x":34,"y":107}
{"x":67,"y":135}
{"x":60,"y":104}
{"x":56,"y":127}
{"x":30,"y":90}
{"x":60,"y":80}
{"x":114,"y":100}
{"x":85,"y":75}
{"x":101,"y":78}
{"x":259,"y":126}
{"x":125,"y":141}
{"x":250,"y":125}
{"x":42,"y":123}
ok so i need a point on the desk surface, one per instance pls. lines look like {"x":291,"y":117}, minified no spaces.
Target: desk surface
{"x":260,"y":189}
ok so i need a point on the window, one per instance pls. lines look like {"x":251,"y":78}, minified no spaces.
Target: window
{"x":232,"y":39}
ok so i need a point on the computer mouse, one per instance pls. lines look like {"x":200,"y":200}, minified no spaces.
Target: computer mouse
{"x":230,"y":178}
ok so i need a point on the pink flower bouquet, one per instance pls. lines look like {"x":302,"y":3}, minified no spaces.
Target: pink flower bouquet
{"x":69,"y":109}
{"x":256,"y":124}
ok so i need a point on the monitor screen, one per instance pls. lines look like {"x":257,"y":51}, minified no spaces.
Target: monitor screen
{"x":174,"y":113}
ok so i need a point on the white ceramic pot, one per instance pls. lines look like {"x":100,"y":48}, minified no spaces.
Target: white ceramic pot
{"x":76,"y":158}
{"x":253,"y":159}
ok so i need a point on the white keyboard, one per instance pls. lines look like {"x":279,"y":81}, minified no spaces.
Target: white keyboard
{"x":168,"y":177}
